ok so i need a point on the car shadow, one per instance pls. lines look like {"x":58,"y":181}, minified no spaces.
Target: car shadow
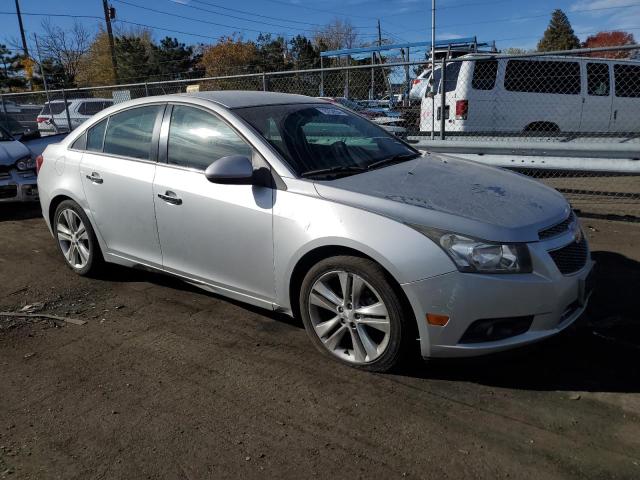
{"x":19,"y":211}
{"x":599,"y":353}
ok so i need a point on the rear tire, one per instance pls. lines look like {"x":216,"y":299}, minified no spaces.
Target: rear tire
{"x":76,"y":239}
{"x":352,"y":313}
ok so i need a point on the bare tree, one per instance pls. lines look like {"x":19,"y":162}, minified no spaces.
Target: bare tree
{"x":66,"y":47}
{"x":336,"y":35}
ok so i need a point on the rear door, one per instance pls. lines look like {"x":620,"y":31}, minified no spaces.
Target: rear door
{"x":626,"y":102}
{"x":597,"y":98}
{"x":117,"y":171}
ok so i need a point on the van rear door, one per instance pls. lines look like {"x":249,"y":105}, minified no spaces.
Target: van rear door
{"x":597,"y":97}
{"x":626,"y":100}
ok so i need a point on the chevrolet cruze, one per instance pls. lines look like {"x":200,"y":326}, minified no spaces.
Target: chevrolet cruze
{"x":300,"y":206}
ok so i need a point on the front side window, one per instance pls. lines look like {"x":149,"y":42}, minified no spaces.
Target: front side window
{"x":198,"y":138}
{"x":53,"y":108}
{"x":627,"y":80}
{"x":129,"y":133}
{"x":542,"y":77}
{"x":316,"y":137}
{"x":598,"y":79}
{"x":95,"y":136}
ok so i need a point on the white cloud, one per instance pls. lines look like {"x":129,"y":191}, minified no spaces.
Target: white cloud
{"x":611,"y":14}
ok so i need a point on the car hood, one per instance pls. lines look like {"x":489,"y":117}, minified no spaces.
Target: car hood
{"x":11,"y":151}
{"x":448,"y":193}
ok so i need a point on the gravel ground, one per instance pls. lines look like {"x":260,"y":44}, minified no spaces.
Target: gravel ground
{"x":168,"y":382}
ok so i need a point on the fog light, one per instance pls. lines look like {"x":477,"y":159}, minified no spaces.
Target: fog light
{"x":438,"y":320}
{"x":492,"y":330}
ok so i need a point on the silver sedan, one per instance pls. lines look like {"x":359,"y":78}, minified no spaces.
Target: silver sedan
{"x":297,"y":205}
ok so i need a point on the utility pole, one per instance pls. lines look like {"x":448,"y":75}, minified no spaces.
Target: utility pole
{"x":24,"y":38}
{"x":379,"y":33}
{"x":107,"y":19}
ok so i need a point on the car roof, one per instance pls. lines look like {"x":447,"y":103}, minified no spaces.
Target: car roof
{"x":242,"y":98}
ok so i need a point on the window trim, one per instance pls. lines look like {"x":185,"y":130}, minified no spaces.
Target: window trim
{"x":163,"y":152}
{"x":155,"y":136}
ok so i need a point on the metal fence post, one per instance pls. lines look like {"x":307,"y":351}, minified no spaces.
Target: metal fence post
{"x":66,"y":108}
{"x":321,"y":77}
{"x":4,"y":107}
{"x":264,"y":82}
{"x":443,"y":96}
{"x":146,"y":89}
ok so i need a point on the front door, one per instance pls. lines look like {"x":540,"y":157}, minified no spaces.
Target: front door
{"x":219,"y":234}
{"x":117,"y":171}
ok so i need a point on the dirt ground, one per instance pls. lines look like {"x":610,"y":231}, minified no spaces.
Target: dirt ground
{"x":168,"y":382}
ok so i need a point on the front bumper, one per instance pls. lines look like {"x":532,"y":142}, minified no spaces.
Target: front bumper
{"x":17,"y":186}
{"x":554,"y":301}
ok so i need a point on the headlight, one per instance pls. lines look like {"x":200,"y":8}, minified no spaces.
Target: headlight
{"x":472,"y":255}
{"x":26,"y":163}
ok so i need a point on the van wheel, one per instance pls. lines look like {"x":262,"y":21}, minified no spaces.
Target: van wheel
{"x":352,"y":313}
{"x":542,"y":127}
{"x":76,"y":239}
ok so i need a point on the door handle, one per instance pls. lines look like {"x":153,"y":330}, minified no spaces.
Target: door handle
{"x":95,"y":178}
{"x":170,"y":197}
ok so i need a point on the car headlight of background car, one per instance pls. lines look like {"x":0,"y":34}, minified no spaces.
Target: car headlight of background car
{"x":26,"y":163}
{"x":477,"y":256}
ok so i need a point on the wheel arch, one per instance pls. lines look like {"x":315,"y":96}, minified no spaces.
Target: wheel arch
{"x":317,"y":254}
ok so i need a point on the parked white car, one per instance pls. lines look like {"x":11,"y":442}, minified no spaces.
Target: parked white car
{"x":419,"y":85}
{"x":52,"y":118}
{"x":541,"y":94}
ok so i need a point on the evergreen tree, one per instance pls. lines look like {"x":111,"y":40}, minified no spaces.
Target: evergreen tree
{"x":172,"y":59}
{"x":134,"y":58}
{"x":559,"y":34}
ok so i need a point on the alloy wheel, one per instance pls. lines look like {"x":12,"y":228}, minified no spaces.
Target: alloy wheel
{"x":73,"y":238}
{"x":349,"y":317}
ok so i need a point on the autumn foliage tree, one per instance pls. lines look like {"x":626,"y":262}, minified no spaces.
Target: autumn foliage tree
{"x":231,"y":55}
{"x":610,"y":39}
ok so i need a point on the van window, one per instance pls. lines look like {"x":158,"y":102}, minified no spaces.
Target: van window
{"x":129,"y":133}
{"x":484,"y":74}
{"x":627,"y":80}
{"x":542,"y":77}
{"x":451,"y":77}
{"x":598,"y":83}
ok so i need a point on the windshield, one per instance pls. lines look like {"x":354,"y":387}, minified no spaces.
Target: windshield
{"x":318,"y":137}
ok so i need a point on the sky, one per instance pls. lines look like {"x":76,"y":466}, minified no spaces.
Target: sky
{"x":511,"y":23}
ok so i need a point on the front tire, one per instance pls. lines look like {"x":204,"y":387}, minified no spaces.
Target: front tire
{"x":352,"y":312}
{"x":76,"y":239}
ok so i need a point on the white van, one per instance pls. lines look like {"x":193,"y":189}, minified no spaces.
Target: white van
{"x":53,"y":119}
{"x":536,"y":94}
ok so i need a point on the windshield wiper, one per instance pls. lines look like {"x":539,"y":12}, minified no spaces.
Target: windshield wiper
{"x":401,"y":157}
{"x":331,"y":170}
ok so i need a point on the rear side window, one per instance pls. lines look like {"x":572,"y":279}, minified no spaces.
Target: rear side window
{"x":598,"y":83}
{"x":198,"y":138}
{"x":543,"y":77}
{"x":129,"y":133}
{"x":484,"y":74}
{"x":95,"y":136}
{"x":627,"y":80}
{"x":91,"y":108}
{"x":53,"y":108}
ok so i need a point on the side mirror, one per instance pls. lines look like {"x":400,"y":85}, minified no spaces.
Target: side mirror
{"x":231,"y":170}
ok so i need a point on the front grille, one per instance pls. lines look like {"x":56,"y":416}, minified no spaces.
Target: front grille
{"x":571,"y":258}
{"x":557,"y":229}
{"x":8,"y":191}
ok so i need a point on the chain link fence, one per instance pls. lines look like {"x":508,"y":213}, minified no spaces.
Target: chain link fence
{"x":541,"y":114}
